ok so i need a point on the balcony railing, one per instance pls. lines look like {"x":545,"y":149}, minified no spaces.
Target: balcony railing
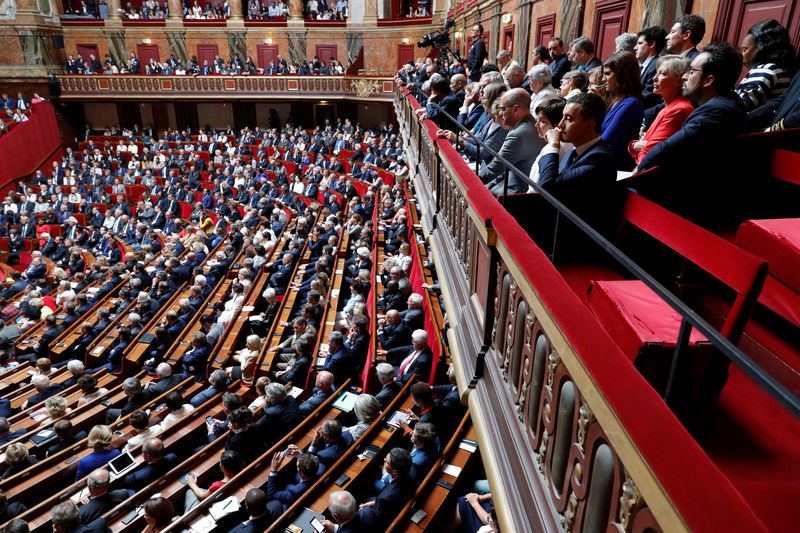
{"x":157,"y":87}
{"x":573,"y":437}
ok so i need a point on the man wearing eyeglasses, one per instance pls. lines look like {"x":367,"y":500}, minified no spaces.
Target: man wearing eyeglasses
{"x":696,"y":153}
{"x":477,"y":54}
{"x":520,"y":148}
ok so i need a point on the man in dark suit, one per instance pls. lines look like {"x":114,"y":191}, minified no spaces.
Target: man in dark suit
{"x":414,"y":316}
{"x":323,"y":389}
{"x":779,"y":113}
{"x":263,"y":512}
{"x":650,"y":42}
{"x":158,"y":463}
{"x":694,"y":159}
{"x":281,"y":415}
{"x":583,"y":57}
{"x":685,"y":35}
{"x":339,"y":360}
{"x":389,"y":385}
{"x":416,"y":360}
{"x":44,"y":390}
{"x":344,"y":510}
{"x":5,"y":434}
{"x":398,"y":486}
{"x":442,"y":98}
{"x":329,"y":443}
{"x":477,"y":53}
{"x":134,"y":391}
{"x":42,"y":348}
{"x":521,"y":146}
{"x":589,"y":164}
{"x":288,"y":493}
{"x":67,"y":519}
{"x":393,"y":331}
{"x":282,"y":275}
{"x":100,"y":499}
{"x":65,"y":437}
{"x":164,"y":381}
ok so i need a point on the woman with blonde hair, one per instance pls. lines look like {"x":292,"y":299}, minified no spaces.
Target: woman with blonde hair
{"x":18,"y":459}
{"x":56,"y":407}
{"x":100,"y":440}
{"x":367,"y":410}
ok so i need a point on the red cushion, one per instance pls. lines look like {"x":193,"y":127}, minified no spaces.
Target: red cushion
{"x":634,"y":315}
{"x":777,"y":241}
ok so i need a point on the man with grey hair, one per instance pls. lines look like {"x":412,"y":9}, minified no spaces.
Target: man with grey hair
{"x":625,"y":42}
{"x":330,"y":442}
{"x":44,"y":390}
{"x":514,"y":76}
{"x":414,"y":316}
{"x":100,"y":499}
{"x":416,"y":359}
{"x":164,"y":381}
{"x":389,"y":385}
{"x":134,"y":391}
{"x":66,"y":518}
{"x":281,"y":415}
{"x":540,"y":79}
{"x":344,"y":510}
{"x":76,"y":368}
{"x":218,"y":382}
{"x":520,"y":148}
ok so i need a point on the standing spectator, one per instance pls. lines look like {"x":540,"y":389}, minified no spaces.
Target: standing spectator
{"x":477,"y":53}
{"x":650,"y":42}
{"x":685,"y":35}
{"x":625,"y":112}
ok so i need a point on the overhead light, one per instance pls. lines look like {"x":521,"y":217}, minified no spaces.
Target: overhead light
{"x":506,"y":18}
{"x":405,"y":40}
{"x":267,"y":41}
{"x":457,"y":35}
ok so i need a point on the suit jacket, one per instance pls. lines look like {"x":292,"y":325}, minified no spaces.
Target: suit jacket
{"x":559,"y":66}
{"x":278,"y":420}
{"x":97,"y":526}
{"x":781,"y":113}
{"x":290,"y":492}
{"x":52,"y":390}
{"x":648,"y":73}
{"x":388,"y":393}
{"x":163,"y":385}
{"x":390,"y":500}
{"x":340,"y":364}
{"x":145,"y":475}
{"x":262,"y":523}
{"x":594,"y":168}
{"x":477,"y":54}
{"x":316,"y":399}
{"x":97,"y":506}
{"x":421,"y":366}
{"x":451,"y":105}
{"x":330,"y":453}
{"x":395,"y":336}
{"x":521,"y":147}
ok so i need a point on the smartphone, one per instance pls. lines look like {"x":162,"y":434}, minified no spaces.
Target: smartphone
{"x":210,"y":420}
{"x":317,"y":525}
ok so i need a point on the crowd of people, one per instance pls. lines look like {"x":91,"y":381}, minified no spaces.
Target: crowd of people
{"x":572,"y":122}
{"x":235,"y":66}
{"x":242,"y":178}
{"x":15,"y":110}
{"x":325,"y":9}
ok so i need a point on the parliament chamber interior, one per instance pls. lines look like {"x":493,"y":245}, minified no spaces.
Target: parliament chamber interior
{"x":360,"y":266}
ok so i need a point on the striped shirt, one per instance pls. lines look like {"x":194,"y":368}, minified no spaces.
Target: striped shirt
{"x":762,"y":83}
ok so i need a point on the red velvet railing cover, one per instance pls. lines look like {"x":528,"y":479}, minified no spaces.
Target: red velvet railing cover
{"x":27,"y":145}
{"x":701,"y":493}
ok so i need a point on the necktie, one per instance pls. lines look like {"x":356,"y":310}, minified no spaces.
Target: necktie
{"x":406,"y":362}
{"x":573,"y":156}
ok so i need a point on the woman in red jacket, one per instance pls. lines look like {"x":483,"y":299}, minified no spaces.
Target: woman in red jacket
{"x":667,"y":82}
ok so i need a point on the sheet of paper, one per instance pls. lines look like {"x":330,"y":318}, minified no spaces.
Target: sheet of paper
{"x":98,"y":350}
{"x":247,"y":308}
{"x":467,"y":447}
{"x":451,"y":470}
{"x":203,"y":524}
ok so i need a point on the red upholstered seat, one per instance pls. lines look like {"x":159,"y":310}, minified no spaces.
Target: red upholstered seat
{"x":777,"y":241}
{"x":635,"y":316}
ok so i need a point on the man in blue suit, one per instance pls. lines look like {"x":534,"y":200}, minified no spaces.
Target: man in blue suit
{"x":344,"y":510}
{"x":287,"y":494}
{"x":694,"y":159}
{"x":446,"y":100}
{"x":590,"y":163}
{"x":323,"y":389}
{"x":339,"y":360}
{"x":157,"y":464}
{"x":5,"y":434}
{"x":329,"y":443}
{"x":281,"y":415}
{"x":398,"y":486}
{"x":37,"y":269}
